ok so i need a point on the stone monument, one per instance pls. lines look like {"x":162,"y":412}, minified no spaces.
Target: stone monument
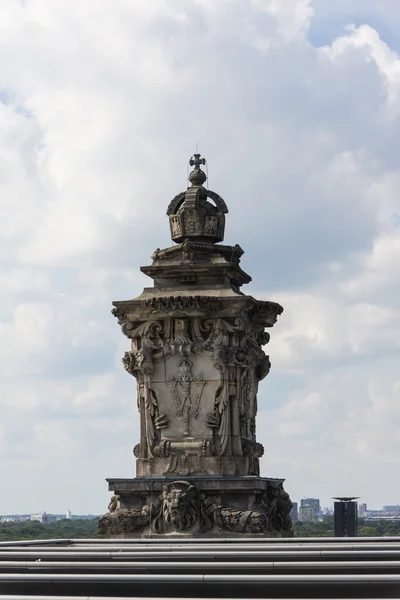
{"x":197,"y":357}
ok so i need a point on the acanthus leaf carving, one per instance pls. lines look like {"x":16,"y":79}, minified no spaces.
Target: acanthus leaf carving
{"x":149,"y":332}
{"x":220,"y":330}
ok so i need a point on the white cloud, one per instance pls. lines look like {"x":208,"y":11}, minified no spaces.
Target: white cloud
{"x":100,"y":107}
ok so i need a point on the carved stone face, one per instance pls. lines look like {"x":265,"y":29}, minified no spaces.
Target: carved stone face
{"x":180,"y":501}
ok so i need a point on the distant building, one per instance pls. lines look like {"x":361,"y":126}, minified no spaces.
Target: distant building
{"x":43,"y":517}
{"x":308,"y":513}
{"x":362,"y":509}
{"x":345,"y":516}
{"x":309,"y":509}
{"x":392,"y":508}
{"x":315,"y":502}
{"x":294,"y":512}
{"x":68,"y":514}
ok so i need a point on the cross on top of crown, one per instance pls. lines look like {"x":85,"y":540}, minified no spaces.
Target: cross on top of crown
{"x":197,"y":161}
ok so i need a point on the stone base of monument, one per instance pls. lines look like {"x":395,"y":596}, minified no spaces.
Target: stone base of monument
{"x":211,"y":506}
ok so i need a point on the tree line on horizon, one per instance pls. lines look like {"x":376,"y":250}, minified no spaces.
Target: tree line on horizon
{"x":87,"y":528}
{"x":366,"y":528}
{"x":62,"y":529}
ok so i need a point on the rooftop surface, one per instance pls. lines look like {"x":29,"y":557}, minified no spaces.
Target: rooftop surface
{"x":215,"y":568}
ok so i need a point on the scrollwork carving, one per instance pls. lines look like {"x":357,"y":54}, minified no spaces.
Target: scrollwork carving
{"x":148,"y":331}
{"x":220,"y":330}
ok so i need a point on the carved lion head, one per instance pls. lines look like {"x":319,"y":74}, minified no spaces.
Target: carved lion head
{"x":180,"y":504}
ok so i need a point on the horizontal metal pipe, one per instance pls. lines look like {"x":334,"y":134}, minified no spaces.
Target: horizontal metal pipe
{"x":202,"y":565}
{"x":338,"y":579}
{"x":39,"y":542}
{"x":35,"y":597}
{"x":238,"y":544}
{"x":233,"y":540}
{"x":261,"y":555}
{"x":211,"y":548}
{"x":243,"y":544}
{"x":276,"y":542}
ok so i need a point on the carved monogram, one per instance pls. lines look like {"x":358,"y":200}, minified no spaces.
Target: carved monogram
{"x":186,"y":392}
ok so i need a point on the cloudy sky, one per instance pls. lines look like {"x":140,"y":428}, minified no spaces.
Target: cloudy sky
{"x":296,"y":106}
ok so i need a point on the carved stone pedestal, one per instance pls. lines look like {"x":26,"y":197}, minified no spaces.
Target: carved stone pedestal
{"x":197,"y":356}
{"x":197,"y":507}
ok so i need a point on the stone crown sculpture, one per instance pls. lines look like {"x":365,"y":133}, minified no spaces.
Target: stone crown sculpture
{"x":197,"y":356}
{"x":192,"y":216}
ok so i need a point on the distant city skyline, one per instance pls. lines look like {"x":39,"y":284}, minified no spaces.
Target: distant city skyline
{"x":383,"y":508}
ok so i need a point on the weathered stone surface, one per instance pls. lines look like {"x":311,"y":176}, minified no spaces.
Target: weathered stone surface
{"x":196,"y":353}
{"x":197,"y":378}
{"x":203,"y":506}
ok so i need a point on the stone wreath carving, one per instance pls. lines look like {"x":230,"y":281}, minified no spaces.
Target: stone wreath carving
{"x":182,"y":507}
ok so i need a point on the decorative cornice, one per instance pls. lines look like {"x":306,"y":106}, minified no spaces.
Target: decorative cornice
{"x":265,"y":312}
{"x":181,"y":302}
{"x":230,"y":253}
{"x":118,"y":314}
